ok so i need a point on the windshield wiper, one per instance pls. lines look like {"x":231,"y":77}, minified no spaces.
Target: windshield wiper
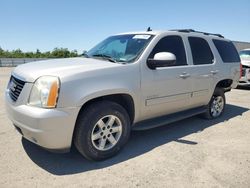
{"x":104,"y":56}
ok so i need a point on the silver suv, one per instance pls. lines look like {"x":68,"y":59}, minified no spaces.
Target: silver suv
{"x":136,"y":80}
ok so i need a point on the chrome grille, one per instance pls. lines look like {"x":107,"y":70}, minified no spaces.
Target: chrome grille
{"x":15,"y":88}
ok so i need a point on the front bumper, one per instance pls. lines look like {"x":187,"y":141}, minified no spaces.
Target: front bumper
{"x":50,"y":128}
{"x":245,"y":78}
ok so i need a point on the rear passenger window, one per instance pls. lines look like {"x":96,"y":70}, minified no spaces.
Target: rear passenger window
{"x":201,"y":51}
{"x":227,"y":51}
{"x":172,"y":44}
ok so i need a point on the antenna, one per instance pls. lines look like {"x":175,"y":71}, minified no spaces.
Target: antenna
{"x":149,"y":29}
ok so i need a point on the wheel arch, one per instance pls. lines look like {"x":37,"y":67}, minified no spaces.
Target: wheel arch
{"x":225,"y":84}
{"x":123,"y":99}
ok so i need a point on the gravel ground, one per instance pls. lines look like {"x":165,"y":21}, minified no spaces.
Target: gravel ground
{"x":188,"y":153}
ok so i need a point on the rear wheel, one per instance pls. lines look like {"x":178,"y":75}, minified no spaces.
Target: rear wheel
{"x":216,"y":105}
{"x":102,"y":129}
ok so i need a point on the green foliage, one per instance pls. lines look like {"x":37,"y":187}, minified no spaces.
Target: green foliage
{"x":56,"y":53}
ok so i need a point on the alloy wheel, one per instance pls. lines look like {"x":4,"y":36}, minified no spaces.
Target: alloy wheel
{"x":106,"y":132}
{"x":217,"y":106}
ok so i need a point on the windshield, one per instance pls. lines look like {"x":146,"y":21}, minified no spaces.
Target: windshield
{"x":120,"y":48}
{"x":244,"y":53}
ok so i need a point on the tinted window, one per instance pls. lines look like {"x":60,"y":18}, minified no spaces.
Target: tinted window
{"x":173,"y":44}
{"x":201,"y":51}
{"x":227,"y":51}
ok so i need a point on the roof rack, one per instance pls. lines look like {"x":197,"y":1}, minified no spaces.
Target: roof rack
{"x":193,"y":31}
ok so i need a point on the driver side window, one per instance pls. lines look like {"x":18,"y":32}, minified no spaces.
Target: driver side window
{"x":172,"y":44}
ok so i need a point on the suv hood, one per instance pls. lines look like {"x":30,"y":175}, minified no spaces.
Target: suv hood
{"x":59,"y":67}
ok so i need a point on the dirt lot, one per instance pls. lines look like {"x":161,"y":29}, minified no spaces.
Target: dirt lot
{"x":189,"y":153}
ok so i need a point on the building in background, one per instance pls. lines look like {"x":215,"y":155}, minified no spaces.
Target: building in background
{"x":241,"y":45}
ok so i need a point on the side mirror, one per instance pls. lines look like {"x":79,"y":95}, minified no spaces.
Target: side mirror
{"x":161,"y":59}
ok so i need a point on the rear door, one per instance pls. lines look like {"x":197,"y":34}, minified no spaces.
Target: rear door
{"x":202,"y":71}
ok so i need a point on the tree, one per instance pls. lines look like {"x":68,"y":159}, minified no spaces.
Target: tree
{"x":38,"y":53}
{"x":1,"y":52}
{"x":17,"y":53}
{"x":56,"y":53}
{"x":60,"y":52}
{"x":73,"y":53}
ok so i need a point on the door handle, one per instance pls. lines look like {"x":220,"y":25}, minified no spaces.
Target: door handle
{"x":214,"y":72}
{"x":184,"y":75}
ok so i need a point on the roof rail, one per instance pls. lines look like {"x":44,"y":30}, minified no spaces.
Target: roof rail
{"x":193,"y":31}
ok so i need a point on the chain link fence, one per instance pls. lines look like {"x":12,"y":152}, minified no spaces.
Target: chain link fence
{"x":13,"y":62}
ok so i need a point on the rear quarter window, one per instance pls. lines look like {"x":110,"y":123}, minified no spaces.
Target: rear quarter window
{"x":227,"y":51}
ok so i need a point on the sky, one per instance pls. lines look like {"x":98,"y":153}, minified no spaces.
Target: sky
{"x":81,"y":24}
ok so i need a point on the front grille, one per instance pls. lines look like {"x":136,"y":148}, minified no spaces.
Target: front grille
{"x":15,"y":88}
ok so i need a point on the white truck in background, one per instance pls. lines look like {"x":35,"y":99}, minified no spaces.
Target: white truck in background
{"x":245,"y":67}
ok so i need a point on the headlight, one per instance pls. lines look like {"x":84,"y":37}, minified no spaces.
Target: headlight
{"x":44,"y":92}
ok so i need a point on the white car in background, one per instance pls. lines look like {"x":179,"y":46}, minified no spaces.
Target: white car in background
{"x":245,"y":67}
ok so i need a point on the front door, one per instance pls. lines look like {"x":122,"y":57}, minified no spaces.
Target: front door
{"x":166,"y":90}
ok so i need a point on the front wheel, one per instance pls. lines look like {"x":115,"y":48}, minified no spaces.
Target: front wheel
{"x":102,"y":129}
{"x":216,"y":106}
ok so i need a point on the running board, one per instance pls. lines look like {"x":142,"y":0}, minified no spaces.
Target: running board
{"x":164,"y":120}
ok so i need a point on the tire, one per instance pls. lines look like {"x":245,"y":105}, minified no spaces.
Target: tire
{"x":216,"y":106}
{"x":102,"y":129}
